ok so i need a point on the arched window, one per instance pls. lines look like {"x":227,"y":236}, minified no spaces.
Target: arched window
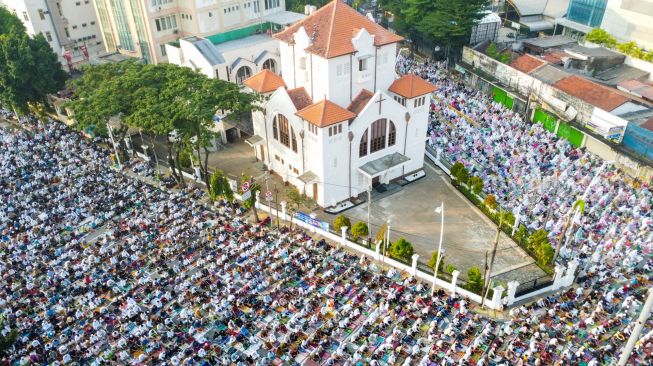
{"x":377,"y":141}
{"x":269,"y":64}
{"x":243,"y":74}
{"x":362,"y":147}
{"x":392,"y":136}
{"x":283,"y":132}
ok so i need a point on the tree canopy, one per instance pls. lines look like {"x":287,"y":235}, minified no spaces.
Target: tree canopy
{"x":29,"y":69}
{"x":445,"y":23}
{"x":161,"y":100}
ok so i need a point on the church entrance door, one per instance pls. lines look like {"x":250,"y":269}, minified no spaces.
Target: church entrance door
{"x":315,"y":192}
{"x":262,"y":153}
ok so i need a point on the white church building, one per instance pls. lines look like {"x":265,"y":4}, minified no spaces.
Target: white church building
{"x":339,"y":121}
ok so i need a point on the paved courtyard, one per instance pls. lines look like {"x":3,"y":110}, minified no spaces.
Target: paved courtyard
{"x":468,"y":233}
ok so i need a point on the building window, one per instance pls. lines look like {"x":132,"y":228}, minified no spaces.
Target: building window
{"x":210,"y":14}
{"x":48,"y":36}
{"x":362,"y":64}
{"x":59,"y":8}
{"x":78,"y":3}
{"x":392,"y":136}
{"x":74,"y":27}
{"x":41,"y":14}
{"x":25,"y":16}
{"x":243,"y":74}
{"x":294,"y":140}
{"x":67,"y":33}
{"x":93,"y":22}
{"x":284,"y":131}
{"x":165,"y":23}
{"x":587,"y":12}
{"x":269,"y":64}
{"x":275,"y":130}
{"x":83,"y":24}
{"x":377,"y":140}
{"x":362,"y":147}
{"x":163,"y":50}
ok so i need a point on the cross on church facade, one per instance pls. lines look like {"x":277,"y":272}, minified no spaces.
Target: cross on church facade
{"x":380,"y":100}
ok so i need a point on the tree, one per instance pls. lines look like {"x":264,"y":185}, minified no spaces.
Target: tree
{"x":477,"y":185}
{"x":340,"y":222}
{"x":381,"y":236}
{"x":490,"y":201}
{"x":474,"y":280}
{"x":447,"y":23}
{"x":402,"y":249}
{"x":455,"y":168}
{"x":434,"y":260}
{"x":601,"y":37}
{"x":251,"y":201}
{"x":6,"y":341}
{"x":29,"y":70}
{"x":295,"y":199}
{"x":631,"y":49}
{"x":360,"y":230}
{"x":450,"y":268}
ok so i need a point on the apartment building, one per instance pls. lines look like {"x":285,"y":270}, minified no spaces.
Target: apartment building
{"x":70,"y":27}
{"x":142,"y":28}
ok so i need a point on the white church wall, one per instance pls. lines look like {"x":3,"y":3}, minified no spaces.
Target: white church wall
{"x":338,"y":78}
{"x":417,"y":127}
{"x":336,"y":165}
{"x":363,"y":79}
{"x":386,"y":57}
{"x":287,"y":70}
{"x":190,"y":53}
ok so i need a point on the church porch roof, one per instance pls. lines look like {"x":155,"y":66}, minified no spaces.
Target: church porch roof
{"x":383,"y":164}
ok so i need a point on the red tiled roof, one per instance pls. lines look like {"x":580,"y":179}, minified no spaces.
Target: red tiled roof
{"x":590,"y":92}
{"x":527,"y":63}
{"x":300,"y":98}
{"x":648,"y":125}
{"x":554,"y":57}
{"x":411,"y":86}
{"x":332,"y":28}
{"x":325,"y":113}
{"x":265,"y":81}
{"x":637,"y":88}
{"x":360,"y":101}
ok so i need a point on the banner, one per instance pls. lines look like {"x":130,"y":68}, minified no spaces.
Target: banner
{"x":69,"y":59}
{"x":303,"y":217}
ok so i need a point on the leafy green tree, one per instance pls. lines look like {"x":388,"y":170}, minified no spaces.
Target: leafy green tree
{"x":521,"y":235}
{"x":381,"y":236}
{"x":447,"y":23}
{"x":360,"y":230}
{"x":477,"y":185}
{"x":6,"y":341}
{"x":295,"y":199}
{"x":29,"y":70}
{"x":537,"y":238}
{"x":251,"y":201}
{"x":402,"y":248}
{"x":474,"y":280}
{"x":545,"y":254}
{"x":455,"y":168}
{"x":490,"y":201}
{"x":601,"y":37}
{"x":341,"y":221}
{"x":450,"y":268}
{"x":434,"y":260}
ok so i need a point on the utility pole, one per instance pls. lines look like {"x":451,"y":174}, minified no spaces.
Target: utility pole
{"x":637,"y":330}
{"x":369,"y":208}
{"x":439,"y":210}
{"x":488,"y":272}
{"x":276,"y":202}
{"x":253,"y":189}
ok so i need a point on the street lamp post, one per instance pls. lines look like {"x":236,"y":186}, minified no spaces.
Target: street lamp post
{"x":439,"y":210}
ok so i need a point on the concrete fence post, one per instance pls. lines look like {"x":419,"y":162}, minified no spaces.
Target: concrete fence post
{"x":377,"y":250}
{"x":414,"y":267}
{"x":343,"y":231}
{"x":454,"y":281}
{"x":570,"y":274}
{"x":496,"y":297}
{"x":257,"y":202}
{"x":283,"y":209}
{"x":512,"y":290}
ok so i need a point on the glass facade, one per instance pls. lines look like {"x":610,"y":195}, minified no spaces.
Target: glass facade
{"x":122,"y":25}
{"x":587,"y":12}
{"x":105,"y":25}
{"x":141,"y":32}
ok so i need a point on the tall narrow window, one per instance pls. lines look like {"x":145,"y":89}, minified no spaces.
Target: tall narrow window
{"x":362,"y":147}
{"x":392,"y":135}
{"x":377,"y":141}
{"x":294,"y":140}
{"x":275,"y":129}
{"x":284,"y":130}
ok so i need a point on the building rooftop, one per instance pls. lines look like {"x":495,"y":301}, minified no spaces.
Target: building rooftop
{"x":637,"y":88}
{"x":360,"y":101}
{"x":548,"y":42}
{"x":237,"y":44}
{"x":265,"y":81}
{"x":284,"y":17}
{"x":600,"y":52}
{"x":332,"y":28}
{"x":551,"y":8}
{"x":591,"y":92}
{"x":325,"y":113}
{"x":207,"y":49}
{"x":527,"y":63}
{"x":300,"y":98}
{"x":411,"y":86}
{"x":549,"y":74}
{"x":618,"y":74}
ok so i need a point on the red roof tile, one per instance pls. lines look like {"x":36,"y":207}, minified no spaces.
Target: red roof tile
{"x":590,"y":92}
{"x":332,"y":28}
{"x":325,"y":113}
{"x":360,"y":101}
{"x":265,"y":81}
{"x":527,"y":63}
{"x":300,"y":98}
{"x":411,"y":86}
{"x":648,"y":125}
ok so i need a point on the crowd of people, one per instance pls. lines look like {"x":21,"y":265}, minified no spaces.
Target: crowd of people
{"x":97,"y":267}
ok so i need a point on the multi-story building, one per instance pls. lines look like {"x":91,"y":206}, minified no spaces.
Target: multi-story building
{"x":626,"y":20}
{"x":142,"y":28}
{"x":69,"y":26}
